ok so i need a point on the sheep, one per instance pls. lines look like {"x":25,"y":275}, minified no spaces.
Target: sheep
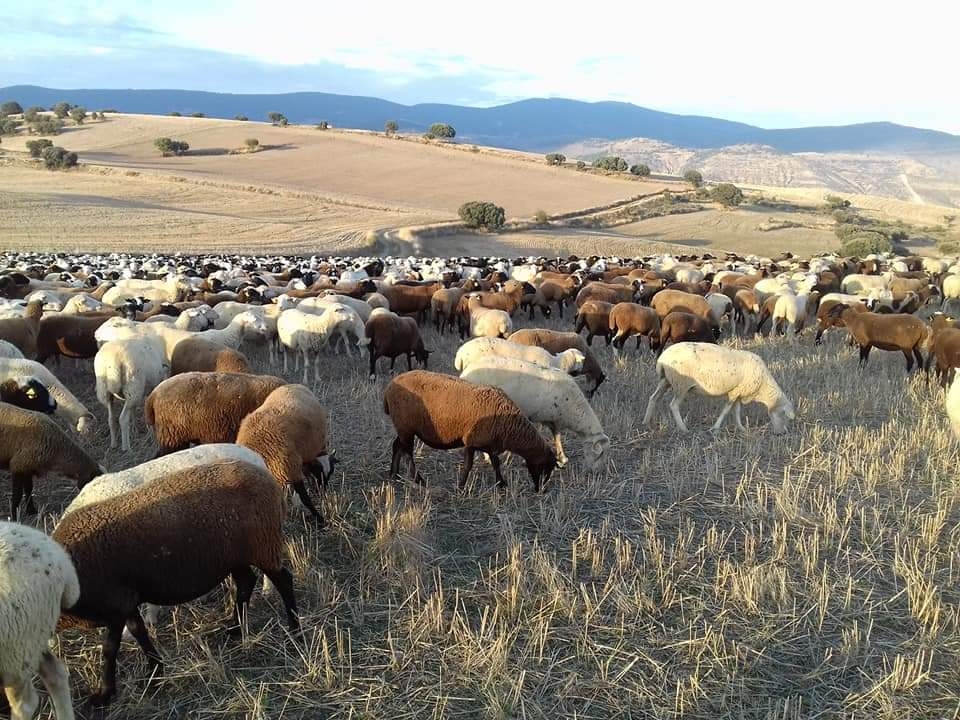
{"x":716,"y":371}
{"x":553,"y":292}
{"x":547,"y":396}
{"x":608,"y":292}
{"x":68,"y":406}
{"x":37,"y":582}
{"x":32,"y":444}
{"x":827,"y":320}
{"x":410,"y":299}
{"x":109,"y":540}
{"x":487,"y":322}
{"x":443,"y":305}
{"x":905,"y":333}
{"x":228,"y":310}
{"x":746,"y":309}
{"x":8,"y":351}
{"x":858,"y":283}
{"x":721,"y":305}
{"x":157,"y":291}
{"x":246,"y":324}
{"x":200,"y":355}
{"x":332,"y":297}
{"x":507,"y":300}
{"x":790,"y":308}
{"x":27,"y":394}
{"x":678,"y":327}
{"x":126,"y":372}
{"x":594,"y":315}
{"x":72,"y":336}
{"x":482,"y":418}
{"x":81,"y":303}
{"x":951,"y":286}
{"x":556,"y":342}
{"x":308,"y":334}
{"x":568,"y":361}
{"x":289,"y":430}
{"x":391,"y":335}
{"x":533,"y":298}
{"x":628,"y":320}
{"x":194,"y":319}
{"x":943,"y":347}
{"x":204,"y":407}
{"x":668,"y":301}
{"x":953,"y":406}
{"x":22,"y":331}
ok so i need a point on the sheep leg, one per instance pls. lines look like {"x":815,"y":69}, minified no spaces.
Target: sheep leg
{"x":723,"y":416}
{"x":495,"y":463}
{"x":125,"y":425}
{"x":28,"y":493}
{"x":245,"y":580}
{"x":16,"y":494}
{"x":301,"y":490}
{"x":675,"y":411}
{"x":864,"y":354}
{"x":373,"y":362}
{"x":23,"y":699}
{"x":919,"y":357}
{"x":909,"y":358}
{"x":468,"y":453}
{"x":306,"y":367}
{"x":112,"y":421}
{"x":651,"y":403}
{"x":56,"y":680}
{"x":736,"y":415}
{"x":138,"y":629}
{"x":409,"y":363}
{"x":395,"y":458}
{"x":560,"y":308}
{"x":282,"y":580}
{"x":285,"y":354}
{"x":108,"y":667}
{"x":562,"y":458}
{"x":316,"y":370}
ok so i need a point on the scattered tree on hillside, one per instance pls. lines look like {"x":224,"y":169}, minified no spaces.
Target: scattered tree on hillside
{"x":252,"y":144}
{"x":835,"y":202}
{"x":78,"y":115}
{"x":32,"y":113}
{"x":8,"y":125}
{"x":727,"y":194}
{"x":62,"y":109}
{"x":11,"y":107}
{"x":640,"y":170}
{"x":277,"y":118}
{"x":866,"y":243}
{"x":611,"y":162}
{"x":46,"y":125}
{"x":485,"y":215}
{"x":442,"y":130}
{"x":693,"y":177}
{"x":581,"y":165}
{"x":391,"y":127}
{"x":323,"y":125}
{"x":555,"y":158}
{"x":176,"y":113}
{"x":36,"y":147}
{"x":198,"y":114}
{"x":168,"y":147}
{"x":58,"y":158}
{"x":242,"y":118}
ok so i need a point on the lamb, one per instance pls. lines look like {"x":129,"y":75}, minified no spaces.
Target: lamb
{"x":556,"y":342}
{"x":483,"y":418}
{"x":390,"y":336}
{"x":27,"y":394}
{"x":108,"y":541}
{"x":200,"y":355}
{"x":204,"y":407}
{"x":443,"y":305}
{"x":905,"y":333}
{"x":68,"y":406}
{"x":308,"y":334}
{"x":32,"y":444}
{"x":547,"y":396}
{"x":127,"y":371}
{"x":717,"y":371}
{"x":290,"y":431}
{"x":22,"y":331}
{"x":37,"y":582}
{"x":594,"y":315}
{"x":631,"y":320}
{"x":9,"y":351}
{"x":568,"y":361}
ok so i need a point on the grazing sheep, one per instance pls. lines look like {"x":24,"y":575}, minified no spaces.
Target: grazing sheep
{"x":109,"y":541}
{"x":556,"y":342}
{"x":668,"y":301}
{"x":290,"y":431}
{"x":567,"y":361}
{"x":678,"y":327}
{"x":308,"y":334}
{"x":22,"y":332}
{"x":943,"y":347}
{"x":790,"y":309}
{"x":68,"y":406}
{"x":631,"y":320}
{"x":486,"y":322}
{"x":72,"y":336}
{"x":746,"y":308}
{"x":482,"y":418}
{"x":204,"y":407}
{"x":507,"y":300}
{"x":410,"y":299}
{"x":953,"y":405}
{"x":37,"y":582}
{"x":546,"y":396}
{"x":389,"y":336}
{"x":443,"y":306}
{"x":32,"y":444}
{"x":827,"y":319}
{"x":594,"y":315}
{"x":905,"y":333}
{"x":27,"y":394}
{"x":201,"y":355}
{"x":553,"y":292}
{"x":721,"y":306}
{"x":533,"y":298}
{"x":716,"y":371}
{"x":9,"y":351}
{"x":608,"y":292}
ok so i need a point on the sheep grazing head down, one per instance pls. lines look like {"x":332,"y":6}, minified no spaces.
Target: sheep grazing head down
{"x":540,"y":468}
{"x":594,"y":448}
{"x":781,"y":412}
{"x":86,"y":424}
{"x":29,"y":394}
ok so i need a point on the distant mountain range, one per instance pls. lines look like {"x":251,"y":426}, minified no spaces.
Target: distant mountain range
{"x":536,"y":124}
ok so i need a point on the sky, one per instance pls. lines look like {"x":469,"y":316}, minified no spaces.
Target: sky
{"x":769,"y":64}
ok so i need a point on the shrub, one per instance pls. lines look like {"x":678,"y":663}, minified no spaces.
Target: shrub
{"x":252,"y":144}
{"x":175,"y":114}
{"x":78,"y":115}
{"x":57,"y":158}
{"x":8,"y":126}
{"x":540,"y":217}
{"x":835,"y":202}
{"x":36,"y":147}
{"x":610,"y":162}
{"x":322,"y":125}
{"x":94,"y":115}
{"x":428,"y":136}
{"x":581,"y":165}
{"x":242,"y":118}
{"x":867,"y":242}
{"x":482,"y":215}
{"x":390,"y":127}
{"x":555,"y":158}
{"x":727,"y":194}
{"x":46,"y":126}
{"x":442,"y":130}
{"x":61,"y":109}
{"x":694,"y":178}
{"x":949,"y":246}
{"x":197,"y":114}
{"x":640,"y":170}
{"x":168,"y":147}
{"x":32,"y":113}
{"x":10,"y":107}
{"x":275,"y":117}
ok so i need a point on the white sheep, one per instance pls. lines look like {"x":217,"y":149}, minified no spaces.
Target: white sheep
{"x":546,"y":396}
{"x":81,"y":303}
{"x":10,"y":351}
{"x":721,"y":307}
{"x":308,"y":334}
{"x":68,"y":406}
{"x":953,"y":405}
{"x":194,"y":319}
{"x":126,"y":372}
{"x":791,"y":308}
{"x":718,"y":371}
{"x":951,"y":286}
{"x":487,"y":322}
{"x":226,"y":311}
{"x":157,"y":291}
{"x":858,"y":284}
{"x":569,"y":361}
{"x":331,"y":297}
{"x":37,"y":582}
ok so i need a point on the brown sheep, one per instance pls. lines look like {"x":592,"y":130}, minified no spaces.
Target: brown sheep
{"x":554,"y":292}
{"x":595,"y":316}
{"x":556,"y":342}
{"x":410,"y":299}
{"x":700,"y":288}
{"x":22,"y":331}
{"x":508,"y":299}
{"x":668,"y":301}
{"x":443,"y":305}
{"x":893,"y":332}
{"x":606,"y":292}
{"x":533,"y":298}
{"x":198,"y":354}
{"x":943,"y":347}
{"x":680,"y":327}
{"x":69,"y":335}
{"x":482,"y":418}
{"x":390,"y":336}
{"x":630,"y":319}
{"x":825,"y":320}
{"x":746,"y":308}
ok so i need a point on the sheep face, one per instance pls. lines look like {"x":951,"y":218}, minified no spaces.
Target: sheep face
{"x":780,"y":413}
{"x":540,"y":469}
{"x":29,"y":394}
{"x":594,"y":449}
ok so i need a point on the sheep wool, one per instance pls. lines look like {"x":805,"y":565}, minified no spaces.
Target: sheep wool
{"x":68,"y":406}
{"x":568,"y":361}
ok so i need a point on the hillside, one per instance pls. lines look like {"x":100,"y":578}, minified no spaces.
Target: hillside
{"x":535,"y":124}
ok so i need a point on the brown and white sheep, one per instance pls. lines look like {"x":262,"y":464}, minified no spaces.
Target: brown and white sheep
{"x":556,"y":342}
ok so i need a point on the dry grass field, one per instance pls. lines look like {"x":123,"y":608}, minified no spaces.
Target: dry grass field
{"x":694,"y":576}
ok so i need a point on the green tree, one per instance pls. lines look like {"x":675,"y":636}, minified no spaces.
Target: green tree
{"x":640,"y":170}
{"x":611,"y":162}
{"x":78,"y":115}
{"x":61,"y":109}
{"x":867,"y":242}
{"x":46,"y":125}
{"x":277,"y":118}
{"x":176,"y":113}
{"x":242,"y":118}
{"x":8,"y":126}
{"x":485,"y":215}
{"x":168,"y":147}
{"x":252,"y":144}
{"x":581,"y":165}
{"x":198,"y":114}
{"x":540,"y":217}
{"x":32,"y":114}
{"x":57,"y":158}
{"x":391,"y":127}
{"x":442,"y":130}
{"x":693,"y":177}
{"x":36,"y":147}
{"x":11,"y":107}
{"x":727,"y":194}
{"x":555,"y":158}
{"x":835,"y":202}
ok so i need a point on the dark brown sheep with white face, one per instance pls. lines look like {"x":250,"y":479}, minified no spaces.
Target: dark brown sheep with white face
{"x":631,"y":320}
{"x":556,"y":342}
{"x":171,"y":541}
{"x":594,"y":315}
{"x":680,"y":327}
{"x":668,"y":301}
{"x":197,"y":354}
{"x":391,"y":336}
{"x":446,"y":413}
{"x":893,"y":332}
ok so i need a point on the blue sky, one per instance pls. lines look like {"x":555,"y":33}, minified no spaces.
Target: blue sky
{"x":759,"y":62}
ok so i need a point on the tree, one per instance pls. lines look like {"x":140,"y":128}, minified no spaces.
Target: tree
{"x":540,"y":217}
{"x":252,"y":144}
{"x":78,"y":115}
{"x":61,"y":109}
{"x":46,"y":125}
{"x":485,"y":215}
{"x":442,"y":130}
{"x":581,"y":165}
{"x":640,"y":170}
{"x":57,"y":158}
{"x":32,"y":113}
{"x":391,"y":127}
{"x":611,"y":162}
{"x":866,"y":243}
{"x":175,"y":113}
{"x":95,"y":115}
{"x":242,"y":118}
{"x":36,"y":147}
{"x":727,"y":194}
{"x":197,"y":114}
{"x":8,"y":126}
{"x":693,"y":177}
{"x":835,"y":202}
{"x":555,"y":158}
{"x":168,"y":147}
{"x":11,"y":107}
{"x":277,"y":118}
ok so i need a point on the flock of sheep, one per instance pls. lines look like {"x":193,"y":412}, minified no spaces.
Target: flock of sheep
{"x":166,"y":337}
